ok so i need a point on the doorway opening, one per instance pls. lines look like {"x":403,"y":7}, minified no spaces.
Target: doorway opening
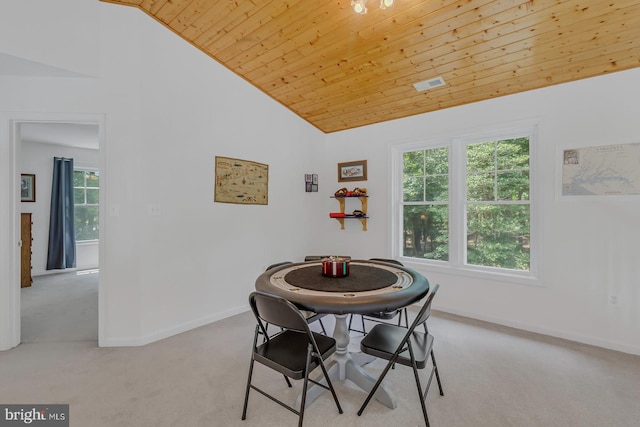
{"x":60,"y":305}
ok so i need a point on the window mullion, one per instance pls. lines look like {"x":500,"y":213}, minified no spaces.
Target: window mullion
{"x":457,"y":199}
{"x":495,"y":171}
{"x":84,"y":185}
{"x":424,"y":175}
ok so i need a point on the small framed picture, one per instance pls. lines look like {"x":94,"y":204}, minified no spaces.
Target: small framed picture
{"x":311,"y":182}
{"x":352,"y":171}
{"x":28,"y":187}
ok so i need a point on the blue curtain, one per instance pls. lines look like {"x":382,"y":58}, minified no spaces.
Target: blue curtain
{"x":62,"y":232}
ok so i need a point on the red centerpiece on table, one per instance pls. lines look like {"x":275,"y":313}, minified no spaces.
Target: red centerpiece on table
{"x":335,"y":267}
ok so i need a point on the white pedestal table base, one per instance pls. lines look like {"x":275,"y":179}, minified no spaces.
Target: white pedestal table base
{"x":345,"y":367}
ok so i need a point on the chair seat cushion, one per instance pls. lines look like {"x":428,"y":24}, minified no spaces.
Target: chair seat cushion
{"x":286,"y":352}
{"x":383,"y":340}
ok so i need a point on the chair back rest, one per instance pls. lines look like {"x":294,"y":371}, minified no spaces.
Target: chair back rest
{"x":278,"y":264}
{"x":391,"y":261}
{"x":277,"y":311}
{"x":425,"y":311}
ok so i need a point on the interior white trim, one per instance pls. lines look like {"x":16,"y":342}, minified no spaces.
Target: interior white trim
{"x":557,"y":333}
{"x":455,"y":142}
{"x":10,"y":283}
{"x":177,"y":329}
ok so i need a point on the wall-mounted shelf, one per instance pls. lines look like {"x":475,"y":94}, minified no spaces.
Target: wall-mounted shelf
{"x":362,"y":218}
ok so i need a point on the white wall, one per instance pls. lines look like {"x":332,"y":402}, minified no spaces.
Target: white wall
{"x":169,"y":110}
{"x":588,"y":247}
{"x":37,"y":158}
{"x":65,"y":41}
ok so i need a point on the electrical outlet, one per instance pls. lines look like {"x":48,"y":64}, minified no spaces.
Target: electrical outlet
{"x":613,"y":299}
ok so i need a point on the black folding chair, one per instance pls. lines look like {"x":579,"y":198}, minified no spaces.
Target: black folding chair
{"x":294,"y":352}
{"x":381,"y":316}
{"x":405,"y":347}
{"x":309,"y":315}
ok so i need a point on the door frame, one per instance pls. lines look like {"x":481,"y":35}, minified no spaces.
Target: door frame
{"x":10,"y":141}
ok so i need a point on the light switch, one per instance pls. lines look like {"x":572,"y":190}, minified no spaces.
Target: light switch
{"x":154,"y":210}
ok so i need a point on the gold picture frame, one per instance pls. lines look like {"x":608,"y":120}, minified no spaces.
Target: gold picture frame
{"x":241,"y":182}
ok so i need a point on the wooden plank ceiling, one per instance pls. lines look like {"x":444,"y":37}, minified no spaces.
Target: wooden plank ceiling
{"x":339,"y":70}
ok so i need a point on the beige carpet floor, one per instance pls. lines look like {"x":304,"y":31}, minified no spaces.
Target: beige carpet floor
{"x":60,"y":307}
{"x":492,"y":376}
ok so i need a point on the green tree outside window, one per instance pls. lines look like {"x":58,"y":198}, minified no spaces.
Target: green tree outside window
{"x":86,"y":188}
{"x":497,"y":209}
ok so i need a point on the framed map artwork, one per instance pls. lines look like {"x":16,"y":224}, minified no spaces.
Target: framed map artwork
{"x":605,"y":170}
{"x":241,"y":182}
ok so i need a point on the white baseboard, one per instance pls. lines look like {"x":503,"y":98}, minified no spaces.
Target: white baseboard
{"x":169,"y":332}
{"x":571,"y":336}
{"x":160,"y":335}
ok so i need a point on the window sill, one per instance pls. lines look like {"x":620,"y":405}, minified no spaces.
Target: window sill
{"x":87,"y":242}
{"x":520,"y":278}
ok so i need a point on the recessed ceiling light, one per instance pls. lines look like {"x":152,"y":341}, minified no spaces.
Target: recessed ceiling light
{"x":429,"y":84}
{"x":385,"y":4}
{"x":359,"y":6}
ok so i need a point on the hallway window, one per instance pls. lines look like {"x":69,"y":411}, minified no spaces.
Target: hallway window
{"x":86,"y":187}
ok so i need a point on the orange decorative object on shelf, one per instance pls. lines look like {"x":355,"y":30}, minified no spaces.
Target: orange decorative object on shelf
{"x":358,"y":192}
{"x":341,"y":192}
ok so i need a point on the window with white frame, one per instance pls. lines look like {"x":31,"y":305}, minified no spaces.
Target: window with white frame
{"x":86,"y":193}
{"x":466,"y":202}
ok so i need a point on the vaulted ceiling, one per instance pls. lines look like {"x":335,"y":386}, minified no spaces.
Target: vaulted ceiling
{"x":339,"y":70}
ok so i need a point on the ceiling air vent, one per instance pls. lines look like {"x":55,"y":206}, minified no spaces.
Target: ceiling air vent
{"x":429,"y":84}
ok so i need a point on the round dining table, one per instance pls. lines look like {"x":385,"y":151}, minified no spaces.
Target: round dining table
{"x":371,"y":286}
